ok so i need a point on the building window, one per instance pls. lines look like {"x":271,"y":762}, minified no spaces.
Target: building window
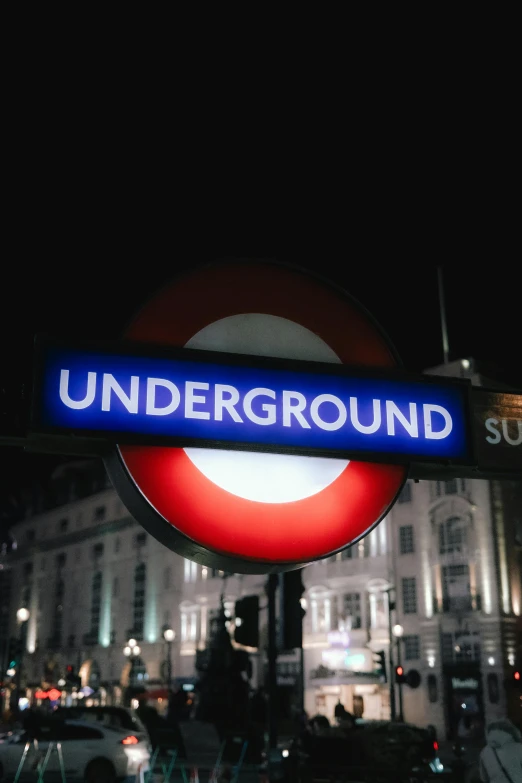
{"x":459,"y":647}
{"x":453,"y":536}
{"x":96,"y":604}
{"x":411,"y":648}
{"x":493,"y":689}
{"x":99,"y":513}
{"x":352,"y":609}
{"x":42,"y":564}
{"x":166,"y":578}
{"x":409,"y":595}
{"x":406,"y":539}
{"x":456,"y":589}
{"x":140,"y":577}
{"x":323,"y":613}
{"x":453,"y":486}
{"x":190,"y":572}
{"x":58,"y":612}
{"x":115,"y":587}
{"x":77,"y":555}
{"x":97,"y":551}
{"x":117,"y":545}
{"x":363,"y":547}
{"x":61,"y":559}
{"x":347,"y":554}
{"x":405,"y":494}
{"x":189,"y":625}
{"x":140,"y":539}
{"x":433,"y":691}
{"x":63,"y":524}
{"x":450,"y":487}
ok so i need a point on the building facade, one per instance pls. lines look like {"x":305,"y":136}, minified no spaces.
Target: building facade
{"x":443,"y":570}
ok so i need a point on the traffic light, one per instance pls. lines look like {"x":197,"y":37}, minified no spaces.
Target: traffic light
{"x":246,"y":629}
{"x":379,"y":659}
{"x":13,"y":653}
{"x":400,"y":677}
{"x":291,"y":614}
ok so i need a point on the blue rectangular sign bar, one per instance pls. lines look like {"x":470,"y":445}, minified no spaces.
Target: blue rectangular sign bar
{"x":188,"y":397}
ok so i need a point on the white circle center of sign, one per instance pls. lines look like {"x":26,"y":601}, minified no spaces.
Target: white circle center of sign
{"x":265,"y":478}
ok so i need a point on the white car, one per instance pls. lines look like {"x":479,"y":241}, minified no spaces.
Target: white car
{"x":91,"y":753}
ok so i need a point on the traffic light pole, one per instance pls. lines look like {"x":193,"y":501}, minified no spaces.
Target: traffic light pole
{"x":22,"y":636}
{"x":391,"y":607}
{"x":399,"y":662}
{"x":273,"y":580}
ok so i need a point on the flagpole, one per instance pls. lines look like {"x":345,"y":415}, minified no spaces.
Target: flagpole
{"x":445,"y":345}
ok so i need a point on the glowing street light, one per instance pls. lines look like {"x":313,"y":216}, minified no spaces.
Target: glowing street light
{"x":23,"y":614}
{"x":169,"y":635}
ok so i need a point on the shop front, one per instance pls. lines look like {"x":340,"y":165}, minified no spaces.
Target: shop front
{"x":346,"y":675}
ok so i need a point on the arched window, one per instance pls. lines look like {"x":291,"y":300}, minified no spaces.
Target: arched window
{"x":140,"y":579}
{"x":453,"y":536}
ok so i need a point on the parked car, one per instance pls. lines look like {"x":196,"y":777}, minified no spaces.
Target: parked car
{"x":114,"y":717}
{"x":373,"y":750}
{"x":92,"y":753}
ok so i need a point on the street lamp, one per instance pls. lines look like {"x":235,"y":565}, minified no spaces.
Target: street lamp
{"x":131,"y":650}
{"x":169,"y":635}
{"x":22,"y":616}
{"x":398,"y":632}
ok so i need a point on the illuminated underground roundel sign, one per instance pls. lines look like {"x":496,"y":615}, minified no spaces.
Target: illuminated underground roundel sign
{"x":253,"y":511}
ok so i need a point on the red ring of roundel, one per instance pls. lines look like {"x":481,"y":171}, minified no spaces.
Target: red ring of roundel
{"x":299,"y":531}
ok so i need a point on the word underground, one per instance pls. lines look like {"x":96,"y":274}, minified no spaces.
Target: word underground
{"x":199,"y":400}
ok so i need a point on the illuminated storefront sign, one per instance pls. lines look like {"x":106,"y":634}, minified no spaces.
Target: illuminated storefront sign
{"x":351,"y":659}
{"x":498,"y":424}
